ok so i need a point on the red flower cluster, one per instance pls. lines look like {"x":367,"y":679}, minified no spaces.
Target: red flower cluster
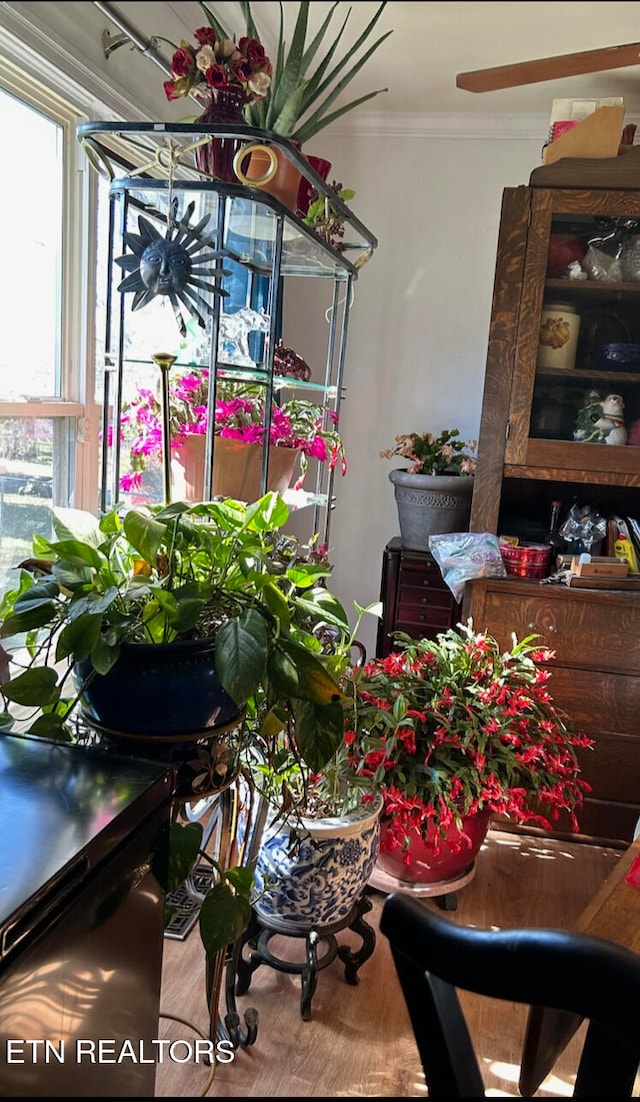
{"x":452,"y":726}
{"x":218,"y":63}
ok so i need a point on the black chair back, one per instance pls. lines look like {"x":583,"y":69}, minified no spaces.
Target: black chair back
{"x":564,"y":970}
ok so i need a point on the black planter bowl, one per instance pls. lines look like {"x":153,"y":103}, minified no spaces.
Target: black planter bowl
{"x":618,"y":356}
{"x":157,"y":691}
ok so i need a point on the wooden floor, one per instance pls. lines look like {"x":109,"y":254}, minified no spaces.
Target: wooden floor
{"x":359,"y":1041}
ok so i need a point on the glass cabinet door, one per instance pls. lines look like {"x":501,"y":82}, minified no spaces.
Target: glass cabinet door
{"x":576,"y":395}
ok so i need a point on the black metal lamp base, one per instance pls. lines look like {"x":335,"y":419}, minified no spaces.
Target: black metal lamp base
{"x":259,"y":933}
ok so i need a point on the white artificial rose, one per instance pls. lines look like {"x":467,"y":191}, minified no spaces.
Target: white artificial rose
{"x":205,"y":58}
{"x":259,"y":84}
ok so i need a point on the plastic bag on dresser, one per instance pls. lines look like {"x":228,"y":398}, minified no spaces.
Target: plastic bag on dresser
{"x":462,"y":556}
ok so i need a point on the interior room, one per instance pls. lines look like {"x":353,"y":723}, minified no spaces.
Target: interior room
{"x":319,"y":500}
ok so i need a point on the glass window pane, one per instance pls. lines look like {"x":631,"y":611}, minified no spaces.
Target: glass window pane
{"x":31,"y":276}
{"x":34,"y":469}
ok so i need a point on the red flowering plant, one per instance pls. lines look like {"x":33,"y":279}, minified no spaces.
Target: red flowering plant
{"x":239,"y":414}
{"x":215,"y":63}
{"x":449,"y":727}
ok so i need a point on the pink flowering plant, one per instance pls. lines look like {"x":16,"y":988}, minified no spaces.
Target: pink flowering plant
{"x":239,"y":414}
{"x":430,"y":454}
{"x":450,"y":727}
{"x":215,"y":63}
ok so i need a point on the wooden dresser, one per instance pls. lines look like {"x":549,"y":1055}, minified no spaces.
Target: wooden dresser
{"x":414,"y":596}
{"x":595,"y":677}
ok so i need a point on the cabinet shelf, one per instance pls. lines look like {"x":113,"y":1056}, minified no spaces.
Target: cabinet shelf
{"x":592,"y":287}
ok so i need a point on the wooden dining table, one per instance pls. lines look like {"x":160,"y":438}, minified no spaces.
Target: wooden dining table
{"x":614,"y":914}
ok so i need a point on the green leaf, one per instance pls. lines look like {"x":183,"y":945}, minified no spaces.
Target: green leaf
{"x":180,"y":854}
{"x":242,"y":880}
{"x":78,"y":553}
{"x":322,"y":605}
{"x":319,"y":732}
{"x":35,"y":687}
{"x":276,"y":602}
{"x":241,"y":651}
{"x":296,"y":673}
{"x":267,"y":513}
{"x":76,"y":524}
{"x":304,"y":575}
{"x":42,"y":593}
{"x":92,"y":602}
{"x":50,"y":726}
{"x":144,"y":534}
{"x":71,"y":577}
{"x":37,"y":617}
{"x":104,"y":655}
{"x":224,"y":917}
{"x":79,"y":637}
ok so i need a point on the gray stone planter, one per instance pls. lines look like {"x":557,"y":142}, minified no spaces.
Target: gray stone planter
{"x":429,"y":504}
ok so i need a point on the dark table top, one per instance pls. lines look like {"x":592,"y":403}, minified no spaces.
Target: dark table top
{"x":61,"y":805}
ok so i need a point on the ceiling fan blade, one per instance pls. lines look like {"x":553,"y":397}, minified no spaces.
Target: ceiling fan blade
{"x":549,"y":68}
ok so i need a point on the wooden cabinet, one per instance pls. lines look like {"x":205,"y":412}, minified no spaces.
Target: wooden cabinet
{"x":414,"y":596}
{"x":595,"y":677}
{"x":533,"y":449}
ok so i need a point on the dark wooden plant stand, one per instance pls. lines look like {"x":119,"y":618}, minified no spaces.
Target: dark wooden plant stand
{"x":260,"y":932}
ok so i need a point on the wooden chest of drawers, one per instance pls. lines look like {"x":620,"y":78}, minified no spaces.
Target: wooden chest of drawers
{"x":595,"y":677}
{"x":414,"y":597}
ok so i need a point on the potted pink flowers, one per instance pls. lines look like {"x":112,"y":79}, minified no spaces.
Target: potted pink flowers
{"x":299,"y":432}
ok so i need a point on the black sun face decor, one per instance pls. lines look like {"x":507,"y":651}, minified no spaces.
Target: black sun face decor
{"x":174,"y":265}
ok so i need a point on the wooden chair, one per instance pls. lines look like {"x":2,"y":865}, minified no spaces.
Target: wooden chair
{"x":568,"y":971}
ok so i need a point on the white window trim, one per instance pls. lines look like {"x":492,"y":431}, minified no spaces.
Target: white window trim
{"x":41,"y":72}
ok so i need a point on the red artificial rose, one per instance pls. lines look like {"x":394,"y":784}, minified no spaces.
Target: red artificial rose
{"x":170,"y":90}
{"x":206,"y":36}
{"x":216,"y":77}
{"x":242,"y":69}
{"x":254,"y":52}
{"x":182,"y":62}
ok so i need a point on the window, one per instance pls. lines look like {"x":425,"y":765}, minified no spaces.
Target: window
{"x":48,"y":414}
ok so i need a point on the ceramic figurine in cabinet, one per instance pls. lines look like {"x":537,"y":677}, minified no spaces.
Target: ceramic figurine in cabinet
{"x":601,"y":421}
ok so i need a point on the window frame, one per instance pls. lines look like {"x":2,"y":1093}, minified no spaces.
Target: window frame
{"x":78,"y":288}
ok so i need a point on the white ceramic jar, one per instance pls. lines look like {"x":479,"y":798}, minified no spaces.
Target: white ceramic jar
{"x":559,"y":329}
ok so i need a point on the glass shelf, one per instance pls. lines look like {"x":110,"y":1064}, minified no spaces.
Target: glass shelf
{"x":243,"y":375}
{"x":144,"y":159}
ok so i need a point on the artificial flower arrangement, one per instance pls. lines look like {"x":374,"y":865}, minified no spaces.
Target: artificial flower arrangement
{"x":239,"y":414}
{"x":216,"y":63}
{"x":450,"y":727}
{"x":445,"y":454}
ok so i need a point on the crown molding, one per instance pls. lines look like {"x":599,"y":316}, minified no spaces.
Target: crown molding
{"x":445,"y":124}
{"x":450,"y":124}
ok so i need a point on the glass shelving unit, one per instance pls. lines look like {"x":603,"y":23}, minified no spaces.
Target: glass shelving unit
{"x":255,"y":247}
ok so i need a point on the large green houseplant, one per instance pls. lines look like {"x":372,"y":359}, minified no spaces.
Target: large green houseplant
{"x":158,"y":577}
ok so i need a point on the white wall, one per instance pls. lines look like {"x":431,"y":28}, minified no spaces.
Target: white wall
{"x":419,"y":324}
{"x":431,"y":192}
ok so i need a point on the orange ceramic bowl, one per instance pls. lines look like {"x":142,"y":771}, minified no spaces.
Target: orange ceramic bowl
{"x":526,"y":560}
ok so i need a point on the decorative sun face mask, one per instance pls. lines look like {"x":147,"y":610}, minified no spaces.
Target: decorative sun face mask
{"x":178,"y":265}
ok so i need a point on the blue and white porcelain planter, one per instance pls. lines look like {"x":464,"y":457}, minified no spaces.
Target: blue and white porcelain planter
{"x":312,"y":872}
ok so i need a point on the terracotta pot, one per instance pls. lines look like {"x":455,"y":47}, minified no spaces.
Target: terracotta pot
{"x":237,"y":468}
{"x":436,"y":859}
{"x":268,"y":168}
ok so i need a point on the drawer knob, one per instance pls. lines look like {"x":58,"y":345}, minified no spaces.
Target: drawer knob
{"x":552,"y":628}
{"x":531,"y":626}
{"x":425,"y":581}
{"x":425,"y":600}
